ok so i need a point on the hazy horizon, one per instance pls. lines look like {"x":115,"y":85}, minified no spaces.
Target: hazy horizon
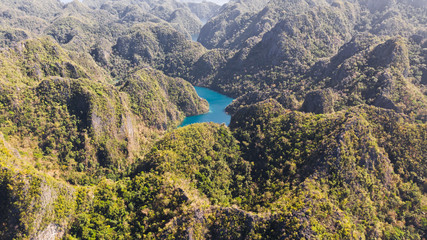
{"x":219,"y":2}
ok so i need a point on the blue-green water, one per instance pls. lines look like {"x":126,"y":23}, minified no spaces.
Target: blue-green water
{"x":217,"y":104}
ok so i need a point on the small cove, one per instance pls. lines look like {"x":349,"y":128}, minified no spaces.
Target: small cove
{"x":217,"y":104}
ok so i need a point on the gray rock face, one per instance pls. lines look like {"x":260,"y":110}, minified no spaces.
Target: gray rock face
{"x":51,"y":232}
{"x":424,"y":77}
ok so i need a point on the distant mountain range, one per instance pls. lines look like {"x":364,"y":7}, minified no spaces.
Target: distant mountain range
{"x":219,"y":2}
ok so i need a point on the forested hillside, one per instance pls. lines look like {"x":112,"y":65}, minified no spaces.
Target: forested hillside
{"x":338,"y":53}
{"x":327,"y":138}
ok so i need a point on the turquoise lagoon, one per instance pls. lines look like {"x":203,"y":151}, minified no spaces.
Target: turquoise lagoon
{"x":217,"y":104}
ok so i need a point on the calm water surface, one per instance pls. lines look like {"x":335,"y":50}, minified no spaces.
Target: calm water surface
{"x":217,"y":105}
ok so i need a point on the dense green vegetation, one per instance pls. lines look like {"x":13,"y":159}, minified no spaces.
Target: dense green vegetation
{"x":77,"y":120}
{"x":327,"y":138}
{"x":299,"y":53}
{"x":32,"y":204}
